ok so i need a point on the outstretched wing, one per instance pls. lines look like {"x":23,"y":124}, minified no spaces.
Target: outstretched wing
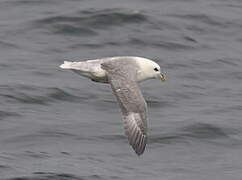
{"x":122,"y":77}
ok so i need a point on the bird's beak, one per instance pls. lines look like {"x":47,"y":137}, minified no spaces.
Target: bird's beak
{"x":162,"y":77}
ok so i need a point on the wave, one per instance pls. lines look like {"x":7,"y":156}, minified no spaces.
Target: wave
{"x":168,"y":45}
{"x":30,"y":2}
{"x":207,"y":19}
{"x":5,"y":114}
{"x":7,"y":45}
{"x":55,"y":176}
{"x":87,"y":22}
{"x":204,"y":131}
{"x":156,"y":42}
{"x":201,"y":131}
{"x":34,"y":95}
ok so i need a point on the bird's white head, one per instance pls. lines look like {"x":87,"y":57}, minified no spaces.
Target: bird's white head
{"x":148,"y":69}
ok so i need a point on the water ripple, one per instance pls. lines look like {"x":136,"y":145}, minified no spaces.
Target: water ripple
{"x":34,"y":95}
{"x":206,"y":19}
{"x":201,"y":131}
{"x":204,"y":131}
{"x":55,"y":176}
{"x":5,"y":114}
{"x":88,"y":21}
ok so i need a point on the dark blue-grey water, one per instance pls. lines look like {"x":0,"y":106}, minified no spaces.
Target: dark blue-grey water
{"x":57,"y":125}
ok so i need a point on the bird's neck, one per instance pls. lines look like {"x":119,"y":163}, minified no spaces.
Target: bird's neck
{"x":142,"y":73}
{"x":141,"y":76}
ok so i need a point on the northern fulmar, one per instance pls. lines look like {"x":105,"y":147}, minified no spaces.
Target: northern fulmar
{"x":123,"y":74}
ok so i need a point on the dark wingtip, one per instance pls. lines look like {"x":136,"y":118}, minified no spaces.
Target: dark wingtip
{"x":140,"y":151}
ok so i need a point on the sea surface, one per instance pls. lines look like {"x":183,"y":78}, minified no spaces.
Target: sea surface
{"x":56,"y":125}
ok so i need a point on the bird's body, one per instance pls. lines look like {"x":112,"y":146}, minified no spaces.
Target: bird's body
{"x":90,"y":69}
{"x":123,"y":73}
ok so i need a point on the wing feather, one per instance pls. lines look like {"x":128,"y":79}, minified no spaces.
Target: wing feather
{"x":122,"y":77}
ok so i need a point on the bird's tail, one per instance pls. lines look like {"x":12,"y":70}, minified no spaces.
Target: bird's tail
{"x":66,"y":65}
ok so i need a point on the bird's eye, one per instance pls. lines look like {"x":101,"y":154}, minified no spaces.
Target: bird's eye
{"x":156,"y":69}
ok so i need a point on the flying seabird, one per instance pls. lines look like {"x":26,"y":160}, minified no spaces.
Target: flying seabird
{"x":123,"y":74}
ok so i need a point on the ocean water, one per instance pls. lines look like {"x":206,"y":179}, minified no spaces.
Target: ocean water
{"x":57,"y":125}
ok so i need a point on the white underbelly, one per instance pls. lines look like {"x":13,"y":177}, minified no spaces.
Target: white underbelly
{"x":99,"y":75}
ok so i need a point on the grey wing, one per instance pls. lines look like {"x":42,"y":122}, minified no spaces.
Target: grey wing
{"x":132,"y":103}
